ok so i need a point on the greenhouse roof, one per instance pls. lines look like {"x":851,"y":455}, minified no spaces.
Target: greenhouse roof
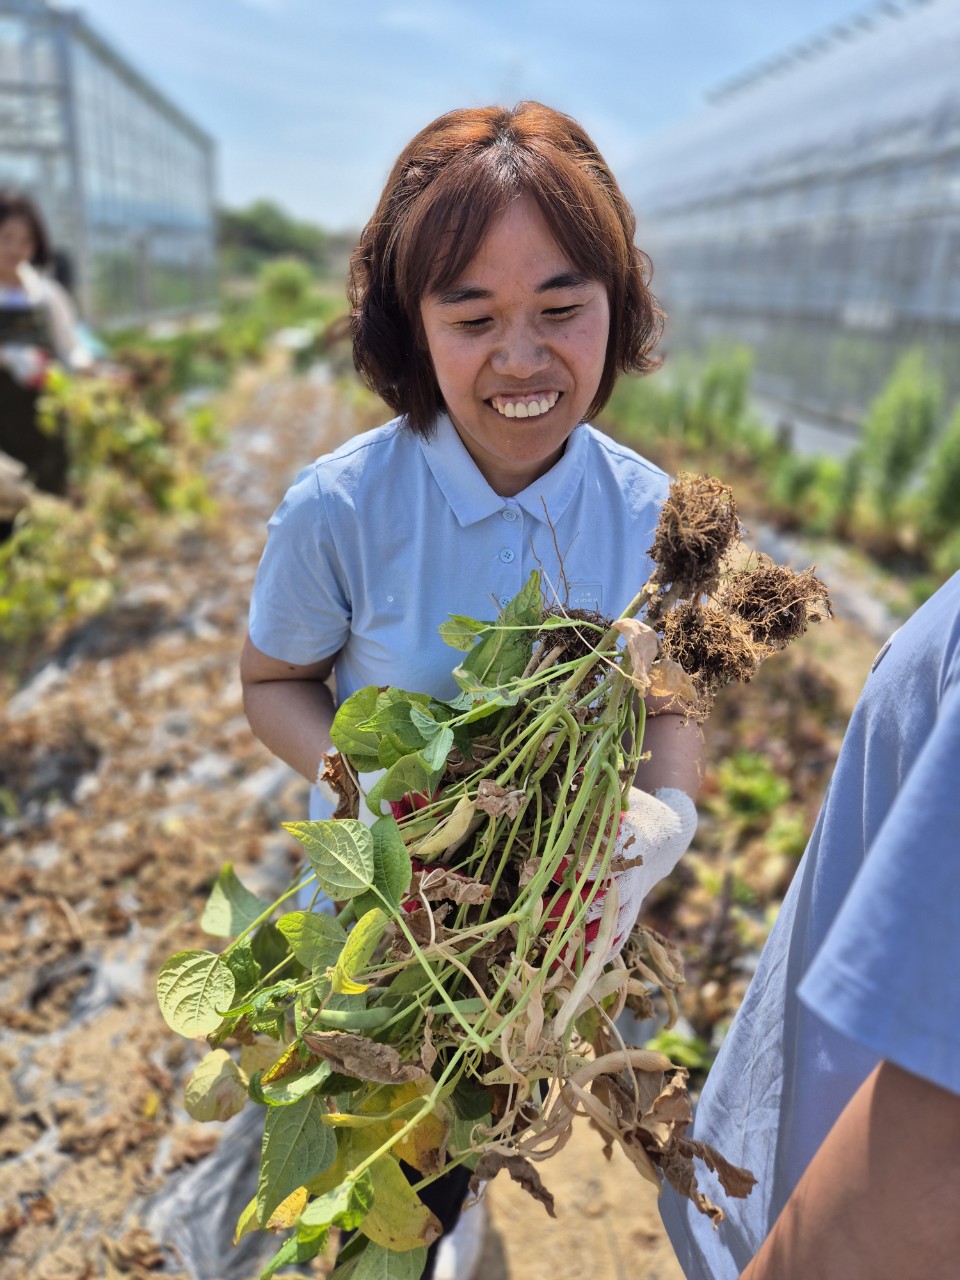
{"x":884,"y":86}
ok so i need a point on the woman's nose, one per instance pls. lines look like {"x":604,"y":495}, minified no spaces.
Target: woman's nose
{"x":520,"y":354}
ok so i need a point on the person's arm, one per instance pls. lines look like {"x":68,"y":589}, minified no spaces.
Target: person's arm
{"x":676,"y":752}
{"x":289,"y":708}
{"x":881,"y":1198}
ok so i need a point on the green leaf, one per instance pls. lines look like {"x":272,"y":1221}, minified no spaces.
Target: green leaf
{"x":391,"y":866}
{"x":281,"y":1093}
{"x":378,"y":1263}
{"x":408,"y":776}
{"x":216,"y":1090}
{"x":360,"y":745}
{"x":470,"y":1101}
{"x":436,"y":751}
{"x":242,"y":963}
{"x":314,"y":937}
{"x":502,"y":649}
{"x":427,"y":726}
{"x":461,"y":632}
{"x":526,"y":607}
{"x":360,"y":946}
{"x":345,"y":1206}
{"x":292,"y":1250}
{"x":297,"y":1146}
{"x":269,"y":947}
{"x":392,"y":722}
{"x":482,"y":698}
{"x":231,"y":907}
{"x":192,"y":988}
{"x":341,"y":853}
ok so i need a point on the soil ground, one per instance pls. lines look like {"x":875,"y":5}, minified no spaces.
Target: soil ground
{"x":129,"y":777}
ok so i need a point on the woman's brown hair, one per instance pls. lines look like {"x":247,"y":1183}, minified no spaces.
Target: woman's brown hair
{"x":447,"y":186}
{"x":15,"y":205}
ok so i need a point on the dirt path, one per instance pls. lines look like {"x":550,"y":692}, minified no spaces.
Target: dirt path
{"x":129,"y":777}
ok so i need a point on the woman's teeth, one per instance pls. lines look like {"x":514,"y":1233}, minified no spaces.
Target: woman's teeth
{"x":525,"y":406}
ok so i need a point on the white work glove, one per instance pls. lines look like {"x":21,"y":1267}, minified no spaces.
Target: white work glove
{"x":655,"y":831}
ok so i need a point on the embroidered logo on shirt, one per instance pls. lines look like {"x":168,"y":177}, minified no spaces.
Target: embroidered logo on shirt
{"x":586,"y":595}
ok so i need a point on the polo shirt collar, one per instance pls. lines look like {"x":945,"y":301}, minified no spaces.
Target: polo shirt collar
{"x":470,"y":497}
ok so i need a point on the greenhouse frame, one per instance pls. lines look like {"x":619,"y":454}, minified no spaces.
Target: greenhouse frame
{"x":811,"y":210}
{"x":124,"y":178}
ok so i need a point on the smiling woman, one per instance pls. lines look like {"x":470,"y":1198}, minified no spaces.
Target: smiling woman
{"x":496,"y":295}
{"x":523,"y":337}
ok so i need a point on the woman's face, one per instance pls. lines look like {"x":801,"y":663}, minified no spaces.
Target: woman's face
{"x":16,"y":245}
{"x":518,"y":345}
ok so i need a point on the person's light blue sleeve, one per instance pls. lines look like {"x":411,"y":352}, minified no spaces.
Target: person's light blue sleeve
{"x":887,"y":973}
{"x":300,"y":609}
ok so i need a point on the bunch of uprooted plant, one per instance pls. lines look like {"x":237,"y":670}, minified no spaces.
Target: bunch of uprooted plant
{"x":462,"y":1007}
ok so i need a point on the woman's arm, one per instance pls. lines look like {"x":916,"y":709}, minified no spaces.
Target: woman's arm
{"x":676,"y":752}
{"x":289,"y":708}
{"x":879,"y":1200}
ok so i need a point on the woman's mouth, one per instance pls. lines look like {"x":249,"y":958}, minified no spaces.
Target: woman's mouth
{"x":532,"y":405}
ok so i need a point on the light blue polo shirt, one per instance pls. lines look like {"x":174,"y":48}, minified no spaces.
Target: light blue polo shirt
{"x":376,"y":544}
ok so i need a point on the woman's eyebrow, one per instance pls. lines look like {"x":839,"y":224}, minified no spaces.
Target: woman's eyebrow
{"x":563,"y":280}
{"x":472,"y":293}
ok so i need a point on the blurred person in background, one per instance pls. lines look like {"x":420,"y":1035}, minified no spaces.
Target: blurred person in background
{"x":37,"y":325}
{"x":838,"y":1084}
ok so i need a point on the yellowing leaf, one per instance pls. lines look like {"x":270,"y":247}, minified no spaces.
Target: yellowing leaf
{"x":286,"y":1214}
{"x":259,"y":1056}
{"x":217,"y":1089}
{"x":397,"y":1219}
{"x":359,"y":947}
{"x":247,"y":1222}
{"x":425,"y":1145}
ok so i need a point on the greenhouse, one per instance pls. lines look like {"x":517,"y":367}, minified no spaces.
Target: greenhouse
{"x":812,"y":211}
{"x":124,"y":178}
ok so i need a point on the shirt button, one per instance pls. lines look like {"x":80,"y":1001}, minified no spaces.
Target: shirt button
{"x":507,"y":556}
{"x":509,"y":514}
{"x":505,"y":600}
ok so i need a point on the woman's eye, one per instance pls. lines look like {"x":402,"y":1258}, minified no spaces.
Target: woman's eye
{"x":473,"y":324}
{"x":560,"y":313}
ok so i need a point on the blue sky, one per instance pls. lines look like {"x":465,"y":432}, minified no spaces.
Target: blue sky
{"x":311,"y":100}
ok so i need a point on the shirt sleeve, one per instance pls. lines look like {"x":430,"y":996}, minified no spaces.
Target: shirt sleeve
{"x":300,"y":611}
{"x":886,"y":975}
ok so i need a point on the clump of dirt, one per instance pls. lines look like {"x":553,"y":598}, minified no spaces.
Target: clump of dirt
{"x":698,"y":526}
{"x":573,"y":641}
{"x":776,"y":604}
{"x":712,"y":646}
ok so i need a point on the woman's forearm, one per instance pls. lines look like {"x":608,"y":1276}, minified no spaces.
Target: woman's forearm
{"x":879,"y":1199}
{"x":293,"y":719}
{"x":676,"y":754}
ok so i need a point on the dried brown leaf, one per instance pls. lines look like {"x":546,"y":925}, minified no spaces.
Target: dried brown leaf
{"x":497,"y":800}
{"x":735,"y":1181}
{"x":364,"y":1059}
{"x":440,"y":885}
{"x":642,"y":646}
{"x":519,"y":1169}
{"x":669,"y":680}
{"x":336,"y":775}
